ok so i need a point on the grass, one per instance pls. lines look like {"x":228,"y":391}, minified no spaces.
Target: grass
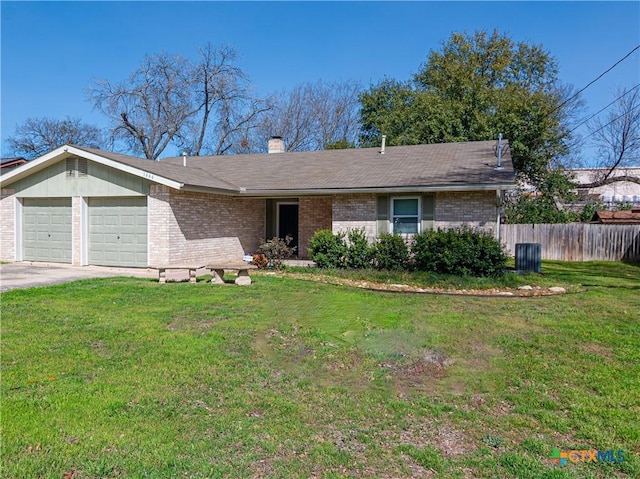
{"x":288,"y":378}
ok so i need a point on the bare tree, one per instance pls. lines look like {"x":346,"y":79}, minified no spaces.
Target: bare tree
{"x":337,"y":112}
{"x":37,"y":136}
{"x":617,"y":139}
{"x":204,"y":107}
{"x":150,"y":108}
{"x":226,"y":109}
{"x":312,"y":116}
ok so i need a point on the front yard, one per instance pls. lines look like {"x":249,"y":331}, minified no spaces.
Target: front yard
{"x":126,"y":378}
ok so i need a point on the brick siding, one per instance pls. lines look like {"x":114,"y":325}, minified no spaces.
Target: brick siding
{"x":7,"y":225}
{"x":314,"y":214}
{"x":190,"y":227}
{"x":471,"y":208}
{"x":355,"y":211}
{"x":76,"y":230}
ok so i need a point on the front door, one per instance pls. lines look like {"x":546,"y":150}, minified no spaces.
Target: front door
{"x":288,"y":223}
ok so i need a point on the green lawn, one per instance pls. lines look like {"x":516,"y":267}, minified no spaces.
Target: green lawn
{"x":126,"y":378}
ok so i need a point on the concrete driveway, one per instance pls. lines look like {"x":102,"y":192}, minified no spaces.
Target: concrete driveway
{"x":28,"y":274}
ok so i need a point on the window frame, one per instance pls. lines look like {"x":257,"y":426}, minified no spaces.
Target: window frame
{"x":417,"y":216}
{"x":76,"y":167}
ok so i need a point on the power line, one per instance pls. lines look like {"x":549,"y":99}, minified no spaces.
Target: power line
{"x":606,"y":125}
{"x":596,"y":79}
{"x":603,"y":109}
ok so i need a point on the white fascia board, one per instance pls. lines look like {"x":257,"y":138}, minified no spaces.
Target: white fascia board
{"x":35,"y":165}
{"x":127,"y":169}
{"x":67,"y":151}
{"x":381,"y":190}
{"x":217,"y":191}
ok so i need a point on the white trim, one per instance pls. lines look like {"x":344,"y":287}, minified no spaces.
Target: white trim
{"x":18,"y":225}
{"x":149,"y":229}
{"x":375,"y":190}
{"x":84,"y":231}
{"x":131,"y":170}
{"x":67,"y":151}
{"x":498,"y":213}
{"x":393,"y":215}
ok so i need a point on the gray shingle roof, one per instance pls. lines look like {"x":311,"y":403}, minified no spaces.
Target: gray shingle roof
{"x":466,"y":165}
{"x":444,"y":165}
{"x":189,"y":176}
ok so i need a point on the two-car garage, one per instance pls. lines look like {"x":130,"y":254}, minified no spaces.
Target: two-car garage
{"x":113,"y":230}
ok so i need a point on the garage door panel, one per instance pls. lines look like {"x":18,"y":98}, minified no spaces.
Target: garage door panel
{"x":47,"y":224}
{"x":118,"y":231}
{"x":128,"y":239}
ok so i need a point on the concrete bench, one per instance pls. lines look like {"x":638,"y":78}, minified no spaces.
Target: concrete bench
{"x":162,"y":271}
{"x":218,"y":269}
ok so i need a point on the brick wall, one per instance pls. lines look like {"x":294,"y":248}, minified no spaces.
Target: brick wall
{"x":7,"y":225}
{"x":473,"y":208}
{"x":76,"y":230}
{"x":314,"y":214}
{"x":195,"y":227}
{"x":355,"y":211}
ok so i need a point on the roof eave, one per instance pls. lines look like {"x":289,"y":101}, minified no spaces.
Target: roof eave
{"x":376,"y":190}
{"x":210,"y":190}
{"x":67,"y":151}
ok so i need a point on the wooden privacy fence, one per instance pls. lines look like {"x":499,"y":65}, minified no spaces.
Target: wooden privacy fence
{"x":577,"y":241}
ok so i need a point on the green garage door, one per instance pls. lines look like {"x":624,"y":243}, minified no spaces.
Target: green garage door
{"x":47,"y":229}
{"x":118,"y":231}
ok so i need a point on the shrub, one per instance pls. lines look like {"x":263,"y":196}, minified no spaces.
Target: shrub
{"x":276,"y":250}
{"x":459,"y":251}
{"x":260,"y":261}
{"x":390,"y":252}
{"x":328,"y":250}
{"x":358,"y":249}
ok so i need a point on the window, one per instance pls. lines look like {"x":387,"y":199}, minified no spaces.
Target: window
{"x":405,"y":217}
{"x":76,"y":167}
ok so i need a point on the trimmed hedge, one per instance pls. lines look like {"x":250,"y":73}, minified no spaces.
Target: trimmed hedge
{"x":328,"y":250}
{"x":459,"y":251}
{"x":390,"y":252}
{"x":359,"y":252}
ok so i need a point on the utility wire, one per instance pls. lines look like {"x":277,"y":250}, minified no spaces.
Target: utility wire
{"x":606,"y":125}
{"x":603,"y":109}
{"x":596,"y":79}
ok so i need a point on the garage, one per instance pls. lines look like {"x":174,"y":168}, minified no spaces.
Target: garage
{"x":46,"y":231}
{"x":118,"y":231}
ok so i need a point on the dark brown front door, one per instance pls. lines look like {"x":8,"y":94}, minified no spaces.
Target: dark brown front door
{"x":288,"y":223}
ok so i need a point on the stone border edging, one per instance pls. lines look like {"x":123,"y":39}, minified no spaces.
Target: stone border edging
{"x":521,"y":292}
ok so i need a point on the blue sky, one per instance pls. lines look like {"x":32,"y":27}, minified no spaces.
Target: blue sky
{"x":51,"y":51}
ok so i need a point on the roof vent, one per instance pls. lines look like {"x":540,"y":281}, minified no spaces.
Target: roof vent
{"x":384,"y":144}
{"x":499,"y":153}
{"x":276,"y":144}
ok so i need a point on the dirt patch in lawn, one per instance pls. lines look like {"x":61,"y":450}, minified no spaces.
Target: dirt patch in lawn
{"x":411,"y":373}
{"x":598,"y":350}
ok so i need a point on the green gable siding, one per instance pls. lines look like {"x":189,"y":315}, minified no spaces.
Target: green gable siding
{"x":55,"y":182}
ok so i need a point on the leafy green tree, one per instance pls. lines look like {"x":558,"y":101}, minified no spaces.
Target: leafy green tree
{"x":477,"y":86}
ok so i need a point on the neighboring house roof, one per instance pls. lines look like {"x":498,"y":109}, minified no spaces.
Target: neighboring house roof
{"x":8,"y":162}
{"x":612,"y":191}
{"x":436,"y":167}
{"x":626,"y":217}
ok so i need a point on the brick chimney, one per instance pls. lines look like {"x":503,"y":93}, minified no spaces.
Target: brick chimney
{"x":276,"y":144}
